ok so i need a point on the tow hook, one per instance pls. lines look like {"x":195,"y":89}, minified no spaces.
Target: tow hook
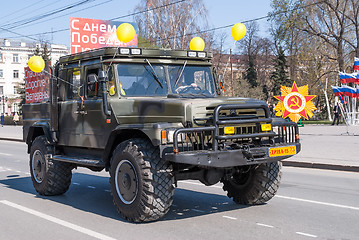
{"x":247,"y":153}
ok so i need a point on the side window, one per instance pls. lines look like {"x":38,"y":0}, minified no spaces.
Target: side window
{"x":75,"y":87}
{"x":92,"y":84}
{"x":111,"y":87}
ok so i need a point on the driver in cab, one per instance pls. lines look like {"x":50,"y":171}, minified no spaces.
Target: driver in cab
{"x":186,"y":83}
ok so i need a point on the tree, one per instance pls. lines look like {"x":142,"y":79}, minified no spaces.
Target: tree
{"x":172,"y":25}
{"x":37,"y":51}
{"x":279,"y":75}
{"x":251,"y":73}
{"x":46,"y":53}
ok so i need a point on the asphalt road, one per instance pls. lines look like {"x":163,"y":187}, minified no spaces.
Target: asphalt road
{"x":311,"y":203}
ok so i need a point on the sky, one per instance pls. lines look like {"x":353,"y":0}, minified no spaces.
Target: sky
{"x":220,"y":13}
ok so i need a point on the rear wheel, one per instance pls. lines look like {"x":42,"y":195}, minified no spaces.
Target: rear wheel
{"x":254,"y":185}
{"x":49,"y":177}
{"x":141,"y":184}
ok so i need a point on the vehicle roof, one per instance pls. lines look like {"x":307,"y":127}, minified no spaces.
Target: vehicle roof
{"x":129,"y":53}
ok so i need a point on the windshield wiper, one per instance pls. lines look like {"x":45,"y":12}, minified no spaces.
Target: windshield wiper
{"x":179,"y":76}
{"x":153,"y":73}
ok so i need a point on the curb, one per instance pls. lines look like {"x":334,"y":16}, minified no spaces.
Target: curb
{"x":321,"y":166}
{"x":11,"y":139}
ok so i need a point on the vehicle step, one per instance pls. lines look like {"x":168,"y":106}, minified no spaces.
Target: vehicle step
{"x":79,"y":160}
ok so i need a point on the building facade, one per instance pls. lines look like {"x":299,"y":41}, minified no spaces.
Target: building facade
{"x":14,"y":55}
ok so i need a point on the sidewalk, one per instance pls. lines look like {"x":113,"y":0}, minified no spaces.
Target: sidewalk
{"x":323,"y":146}
{"x":328,"y":147}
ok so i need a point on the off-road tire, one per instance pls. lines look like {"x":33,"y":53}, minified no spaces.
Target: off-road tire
{"x":49,"y":177}
{"x":141,"y":183}
{"x":256,"y":186}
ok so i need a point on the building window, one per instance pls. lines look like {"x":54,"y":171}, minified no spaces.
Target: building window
{"x":16,"y":74}
{"x":1,"y":90}
{"x":1,"y":73}
{"x":15,"y":58}
{"x":15,"y":90}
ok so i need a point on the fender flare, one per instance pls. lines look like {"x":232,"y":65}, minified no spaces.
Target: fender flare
{"x":38,"y":129}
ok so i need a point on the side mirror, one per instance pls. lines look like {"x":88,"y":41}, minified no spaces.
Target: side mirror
{"x":102,"y":76}
{"x":92,"y":81}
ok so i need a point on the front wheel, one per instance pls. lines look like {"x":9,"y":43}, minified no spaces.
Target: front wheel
{"x":254,"y":185}
{"x":141,"y":184}
{"x":49,"y":177}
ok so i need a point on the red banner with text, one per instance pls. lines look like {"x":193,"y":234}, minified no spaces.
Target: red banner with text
{"x":37,"y":86}
{"x":88,"y":34}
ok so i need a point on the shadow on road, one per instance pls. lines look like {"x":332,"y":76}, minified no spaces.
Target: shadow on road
{"x":90,"y":193}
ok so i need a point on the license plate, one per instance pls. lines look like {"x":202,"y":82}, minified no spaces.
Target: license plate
{"x":282,"y":151}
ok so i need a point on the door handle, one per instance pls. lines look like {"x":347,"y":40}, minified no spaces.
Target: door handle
{"x":81,"y":112}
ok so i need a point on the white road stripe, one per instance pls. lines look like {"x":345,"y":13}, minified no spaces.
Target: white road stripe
{"x":6,"y":154}
{"x":232,"y":218}
{"x":58,"y":221}
{"x":306,"y":234}
{"x":291,"y":198}
{"x":92,"y":187}
{"x":316,"y":202}
{"x":265,"y":225}
{"x":197,"y":210}
{"x":75,"y":183}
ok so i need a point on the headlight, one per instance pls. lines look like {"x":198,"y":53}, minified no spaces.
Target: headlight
{"x":167,"y":136}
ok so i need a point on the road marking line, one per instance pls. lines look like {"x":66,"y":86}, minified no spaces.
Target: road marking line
{"x":197,"y":210}
{"x":291,"y":198}
{"x":58,"y":221}
{"x":232,"y":218}
{"x":306,"y":234}
{"x":6,"y":154}
{"x":265,"y":225}
{"x":92,"y":187}
{"x":317,"y":202}
{"x":75,"y":183}
{"x":200,"y":184}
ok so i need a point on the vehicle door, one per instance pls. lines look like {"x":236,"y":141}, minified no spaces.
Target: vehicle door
{"x":95,"y":121}
{"x":70,"y":104}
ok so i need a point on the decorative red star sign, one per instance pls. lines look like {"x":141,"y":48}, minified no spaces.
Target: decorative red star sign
{"x":295,"y":102}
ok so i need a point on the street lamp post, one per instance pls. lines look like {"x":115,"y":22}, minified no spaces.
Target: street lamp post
{"x":4,"y":99}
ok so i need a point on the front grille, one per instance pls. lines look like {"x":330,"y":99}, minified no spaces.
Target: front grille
{"x":247,"y":129}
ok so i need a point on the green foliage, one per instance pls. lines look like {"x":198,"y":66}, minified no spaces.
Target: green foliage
{"x":46,"y":53}
{"x":145,"y":43}
{"x":37,"y":51}
{"x":251,"y":73}
{"x":20,"y":89}
{"x":280,"y":76}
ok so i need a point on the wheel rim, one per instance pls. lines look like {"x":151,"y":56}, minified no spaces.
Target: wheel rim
{"x":241,"y":180}
{"x":126,"y":181}
{"x":38,"y":165}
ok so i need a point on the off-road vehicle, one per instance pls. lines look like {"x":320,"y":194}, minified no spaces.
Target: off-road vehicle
{"x":152,"y":117}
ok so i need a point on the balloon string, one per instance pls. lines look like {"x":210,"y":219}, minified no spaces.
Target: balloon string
{"x":78,"y":87}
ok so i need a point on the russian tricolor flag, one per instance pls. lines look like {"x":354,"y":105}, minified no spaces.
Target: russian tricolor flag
{"x":356,"y":63}
{"x":349,"y":77}
{"x":346,"y":91}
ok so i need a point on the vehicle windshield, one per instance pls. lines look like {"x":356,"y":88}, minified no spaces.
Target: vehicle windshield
{"x":149,"y":79}
{"x":191,"y":80}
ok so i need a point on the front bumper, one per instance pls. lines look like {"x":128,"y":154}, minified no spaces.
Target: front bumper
{"x":209,"y":146}
{"x":228,"y":158}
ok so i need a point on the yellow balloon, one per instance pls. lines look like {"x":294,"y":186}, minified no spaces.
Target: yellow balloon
{"x":238,"y":31}
{"x":125,"y":32}
{"x":196,"y":44}
{"x":36,"y":64}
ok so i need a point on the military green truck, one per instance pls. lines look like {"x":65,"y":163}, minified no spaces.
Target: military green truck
{"x":152,"y":117}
